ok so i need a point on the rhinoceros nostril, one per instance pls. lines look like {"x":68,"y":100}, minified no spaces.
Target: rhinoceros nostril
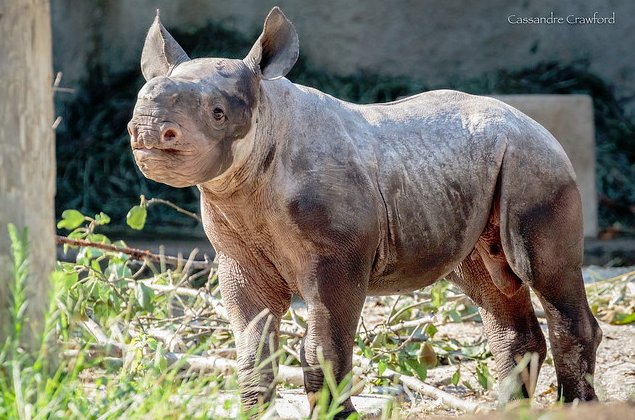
{"x":169,"y":134}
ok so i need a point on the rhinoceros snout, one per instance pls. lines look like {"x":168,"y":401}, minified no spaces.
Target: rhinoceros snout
{"x":163,"y":135}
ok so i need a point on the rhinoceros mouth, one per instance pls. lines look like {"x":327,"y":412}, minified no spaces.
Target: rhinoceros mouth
{"x":157,"y":150}
{"x":155,"y":154}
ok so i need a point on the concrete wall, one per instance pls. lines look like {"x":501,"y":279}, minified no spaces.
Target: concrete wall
{"x":433,"y":41}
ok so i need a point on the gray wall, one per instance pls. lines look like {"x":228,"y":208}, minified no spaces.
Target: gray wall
{"x":433,"y":41}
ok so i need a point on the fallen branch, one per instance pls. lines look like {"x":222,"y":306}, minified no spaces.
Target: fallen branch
{"x":422,"y":388}
{"x":286,"y":374}
{"x":216,"y":304}
{"x":171,"y":339}
{"x":200,"y":363}
{"x":95,"y":330}
{"x":135,"y":253}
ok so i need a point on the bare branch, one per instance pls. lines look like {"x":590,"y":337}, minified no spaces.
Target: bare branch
{"x":135,"y":253}
{"x":430,"y":391}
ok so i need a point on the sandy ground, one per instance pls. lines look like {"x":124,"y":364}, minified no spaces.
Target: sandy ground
{"x":615,"y":381}
{"x":615,"y":371}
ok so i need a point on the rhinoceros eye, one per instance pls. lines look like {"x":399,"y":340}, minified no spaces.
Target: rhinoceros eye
{"x":218,"y":113}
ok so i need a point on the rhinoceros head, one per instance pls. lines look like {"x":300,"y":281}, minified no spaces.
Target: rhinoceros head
{"x":191,"y":114}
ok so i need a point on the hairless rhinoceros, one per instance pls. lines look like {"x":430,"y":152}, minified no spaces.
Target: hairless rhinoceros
{"x":302,"y":193}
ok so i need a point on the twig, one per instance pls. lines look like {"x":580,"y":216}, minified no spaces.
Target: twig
{"x":216,"y":304}
{"x":415,"y":323}
{"x":174,"y":206}
{"x":95,"y":330}
{"x":410,"y":324}
{"x":400,"y":346}
{"x":288,"y":374}
{"x":135,"y":253}
{"x":430,"y":391}
{"x":171,"y":339}
{"x":407,"y":307}
{"x":392,"y":310}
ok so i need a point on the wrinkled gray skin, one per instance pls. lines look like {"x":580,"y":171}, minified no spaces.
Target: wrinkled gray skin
{"x":303,"y":193}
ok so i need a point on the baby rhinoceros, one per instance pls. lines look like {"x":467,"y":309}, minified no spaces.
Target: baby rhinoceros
{"x":302,"y":193}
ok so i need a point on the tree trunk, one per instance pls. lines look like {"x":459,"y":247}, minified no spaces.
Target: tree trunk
{"x":27,"y":152}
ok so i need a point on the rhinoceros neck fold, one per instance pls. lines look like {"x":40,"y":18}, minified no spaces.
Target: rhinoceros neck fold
{"x":251,"y":155}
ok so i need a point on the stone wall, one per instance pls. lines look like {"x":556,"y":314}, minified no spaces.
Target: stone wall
{"x":433,"y":41}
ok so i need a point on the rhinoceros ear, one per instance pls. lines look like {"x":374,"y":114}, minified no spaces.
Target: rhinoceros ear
{"x":277,"y":48}
{"x":161,"y":53}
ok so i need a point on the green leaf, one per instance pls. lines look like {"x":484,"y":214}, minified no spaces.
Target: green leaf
{"x":77,"y":234}
{"x":64,"y":279}
{"x":379,"y":340}
{"x":86,"y":254}
{"x":118,"y":270}
{"x":144,"y":296}
{"x":103,"y":291}
{"x":360,"y":343}
{"x":368,"y":352}
{"x":70,"y":219}
{"x":438,"y":294}
{"x":483,"y":376}
{"x":98,"y":238}
{"x":456,"y":377}
{"x":419,"y":369}
{"x":102,"y":218}
{"x":623,"y":320}
{"x":160,"y":361}
{"x":381,"y":367}
{"x":136,"y":217}
{"x":431,"y":330}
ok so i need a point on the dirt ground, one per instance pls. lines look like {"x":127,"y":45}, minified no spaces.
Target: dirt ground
{"x":615,"y":375}
{"x":615,"y":383}
{"x":615,"y":380}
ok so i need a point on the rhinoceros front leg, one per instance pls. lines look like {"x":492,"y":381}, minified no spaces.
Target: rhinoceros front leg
{"x":255,"y":303}
{"x":335,"y":297}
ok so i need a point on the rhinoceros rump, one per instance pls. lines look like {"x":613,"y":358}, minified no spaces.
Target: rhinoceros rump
{"x":303,"y":193}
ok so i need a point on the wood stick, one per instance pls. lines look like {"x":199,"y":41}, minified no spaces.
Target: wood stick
{"x":216,"y":304}
{"x":294,"y":375}
{"x":430,"y":391}
{"x":291,"y":374}
{"x":135,"y":253}
{"x":171,"y":339}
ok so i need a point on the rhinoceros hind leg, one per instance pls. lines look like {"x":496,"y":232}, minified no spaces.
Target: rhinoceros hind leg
{"x":510,"y":325}
{"x":543,"y":241}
